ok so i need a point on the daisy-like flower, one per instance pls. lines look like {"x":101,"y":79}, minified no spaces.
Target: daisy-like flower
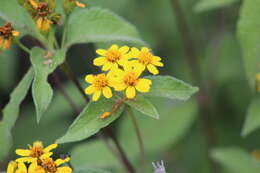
{"x":258,"y":81}
{"x":146,"y":59}
{"x":14,"y":167}
{"x":111,"y":58}
{"x":35,"y":151}
{"x":129,"y":80}
{"x":100,"y":83}
{"x":7,"y":33}
{"x":48,"y":165}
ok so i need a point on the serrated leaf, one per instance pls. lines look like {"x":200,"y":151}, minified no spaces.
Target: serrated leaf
{"x":41,"y":89}
{"x":89,"y":122}
{"x":143,"y":105}
{"x":11,"y":11}
{"x":11,"y":110}
{"x":252,"y":121}
{"x":170,"y":87}
{"x":249,"y":37}
{"x":205,"y":5}
{"x":99,"y":25}
{"x":236,"y":160}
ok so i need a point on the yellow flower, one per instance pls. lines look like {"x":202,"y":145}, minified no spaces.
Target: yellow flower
{"x":129,"y":80}
{"x":146,"y":59}
{"x":14,"y":167}
{"x":258,"y":81}
{"x":6,"y":35}
{"x":43,"y":24}
{"x":48,"y":165}
{"x":112,"y":57}
{"x":35,"y":151}
{"x":100,"y":83}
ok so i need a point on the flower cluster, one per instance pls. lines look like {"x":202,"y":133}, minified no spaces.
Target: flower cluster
{"x":37,"y":159}
{"x":7,"y":33}
{"x":258,"y":82}
{"x":123,"y":67}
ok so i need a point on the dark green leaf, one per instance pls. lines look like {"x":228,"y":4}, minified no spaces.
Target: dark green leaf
{"x":6,"y":140}
{"x":249,"y":37}
{"x":89,"y":122}
{"x":99,"y":25}
{"x":143,"y":105}
{"x":170,"y":87}
{"x":236,"y":160}
{"x":205,"y":5}
{"x":253,"y":117}
{"x":41,"y":89}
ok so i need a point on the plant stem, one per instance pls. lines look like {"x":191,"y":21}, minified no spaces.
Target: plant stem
{"x":22,"y":46}
{"x":139,"y":138}
{"x":203,"y":98}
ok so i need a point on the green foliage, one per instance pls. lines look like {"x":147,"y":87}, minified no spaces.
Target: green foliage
{"x":99,"y":25}
{"x":6,"y":140}
{"x":236,"y":160}
{"x":90,"y":171}
{"x":205,"y":5}
{"x":170,"y":87}
{"x":89,"y":122}
{"x":249,"y":37}
{"x":252,"y":121}
{"x":41,"y":89}
{"x":143,"y":105}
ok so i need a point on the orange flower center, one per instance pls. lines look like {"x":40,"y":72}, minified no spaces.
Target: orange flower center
{"x":43,"y":9}
{"x":36,"y":151}
{"x":49,"y":165}
{"x":113,"y":56}
{"x":130,"y":79}
{"x":145,"y":58}
{"x":100,"y":81}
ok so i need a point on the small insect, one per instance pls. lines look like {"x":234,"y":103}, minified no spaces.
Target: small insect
{"x":159,"y":167}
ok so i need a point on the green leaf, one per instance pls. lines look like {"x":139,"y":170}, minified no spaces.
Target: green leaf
{"x":249,"y":37}
{"x":11,"y":110}
{"x":170,"y":87}
{"x":41,"y":89}
{"x":11,"y":11}
{"x":143,"y":105}
{"x":236,"y":160}
{"x":252,"y":122}
{"x":205,"y":5}
{"x":6,"y":140}
{"x":90,"y":170}
{"x":89,"y":122}
{"x":99,"y":25}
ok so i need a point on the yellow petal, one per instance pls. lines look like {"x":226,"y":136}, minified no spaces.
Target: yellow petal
{"x":134,"y":52}
{"x":138,"y":69}
{"x":12,"y":165}
{"x":143,"y":85}
{"x":59,"y":162}
{"x":156,"y":58}
{"x":64,"y":169}
{"x":26,"y":159}
{"x":157,"y":63}
{"x":145,"y":49}
{"x":15,"y":33}
{"x":130,"y":92}
{"x":151,"y":68}
{"x":81,"y":5}
{"x":119,"y":86}
{"x":114,"y":47}
{"x":107,"y":66}
{"x":107,"y":92}
{"x":34,"y":4}
{"x":90,"y":90}
{"x":22,"y":152}
{"x":89,"y":78}
{"x":96,"y":95}
{"x":50,"y":147}
{"x":39,"y":23}
{"x":21,"y":168}
{"x":124,"y":49}
{"x":46,"y":155}
{"x":7,"y":44}
{"x":45,"y":25}
{"x":34,"y":168}
{"x":101,"y":52}
{"x":99,"y":61}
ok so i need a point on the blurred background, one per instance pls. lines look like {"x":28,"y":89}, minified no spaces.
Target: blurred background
{"x":198,"y":44}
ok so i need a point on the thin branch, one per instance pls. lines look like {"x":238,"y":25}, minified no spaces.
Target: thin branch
{"x":22,"y":46}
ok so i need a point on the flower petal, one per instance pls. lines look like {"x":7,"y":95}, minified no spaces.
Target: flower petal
{"x":26,"y":159}
{"x":21,"y":168}
{"x":107,"y":66}
{"x":151,"y":68}
{"x":143,"y":85}
{"x":96,"y":95}
{"x":101,"y":52}
{"x":99,"y":61}
{"x":59,"y":162}
{"x":114,"y":47}
{"x":22,"y":152}
{"x":89,"y":78}
{"x":145,"y":49}
{"x":12,"y":165}
{"x":90,"y":90}
{"x":64,"y":169}
{"x":50,"y":147}
{"x":107,"y":92}
{"x":157,"y":63}
{"x":119,"y":86}
{"x":130,"y":92}
{"x":124,"y":49}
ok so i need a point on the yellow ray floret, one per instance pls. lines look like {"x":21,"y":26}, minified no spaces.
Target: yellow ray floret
{"x":146,"y":59}
{"x":129,"y":80}
{"x":258,"y":82}
{"x":43,"y":24}
{"x":36,"y":150}
{"x":100,"y":84}
{"x":14,"y":167}
{"x":112,"y":57}
{"x":79,"y":4}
